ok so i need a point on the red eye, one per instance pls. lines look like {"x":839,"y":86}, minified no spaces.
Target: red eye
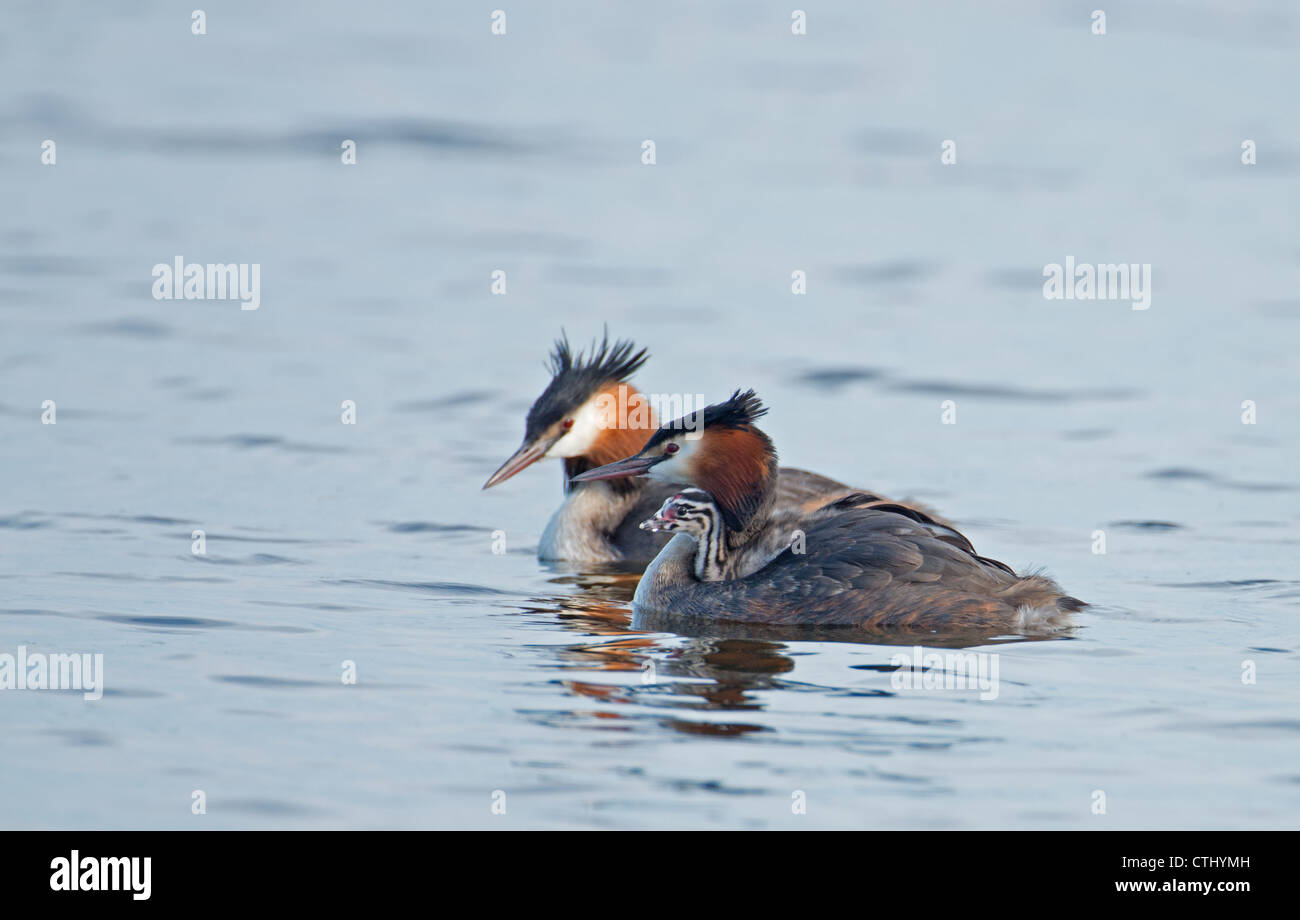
{"x":568,"y":423}
{"x":671,"y":448}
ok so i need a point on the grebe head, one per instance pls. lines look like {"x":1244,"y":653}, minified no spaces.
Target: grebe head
{"x":691,"y":511}
{"x":588,"y":414}
{"x":719,"y":450}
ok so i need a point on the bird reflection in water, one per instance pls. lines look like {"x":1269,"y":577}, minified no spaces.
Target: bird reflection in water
{"x":696,"y":665}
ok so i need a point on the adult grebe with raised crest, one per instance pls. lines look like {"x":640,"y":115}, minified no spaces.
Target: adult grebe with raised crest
{"x":856,"y":561}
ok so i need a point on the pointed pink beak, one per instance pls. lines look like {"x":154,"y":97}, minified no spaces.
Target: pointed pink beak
{"x":524,"y":457}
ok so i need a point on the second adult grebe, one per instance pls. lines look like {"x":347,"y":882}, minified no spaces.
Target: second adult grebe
{"x":854,"y":562}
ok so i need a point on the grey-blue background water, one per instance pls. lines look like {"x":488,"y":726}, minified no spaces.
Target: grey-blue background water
{"x":522,"y":152}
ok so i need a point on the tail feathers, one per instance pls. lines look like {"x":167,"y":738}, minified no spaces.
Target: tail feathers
{"x":1042,"y":619}
{"x":1037,"y":592}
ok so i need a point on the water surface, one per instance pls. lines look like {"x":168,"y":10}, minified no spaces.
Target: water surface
{"x":372,"y":543}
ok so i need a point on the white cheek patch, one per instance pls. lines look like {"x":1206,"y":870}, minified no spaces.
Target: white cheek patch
{"x":588,"y":425}
{"x":674,"y":468}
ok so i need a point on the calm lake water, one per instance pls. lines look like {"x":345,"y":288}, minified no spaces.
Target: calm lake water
{"x":372,"y":543}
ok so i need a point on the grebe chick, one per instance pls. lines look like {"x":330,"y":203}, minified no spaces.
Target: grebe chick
{"x":717,"y":555}
{"x":863,"y":563}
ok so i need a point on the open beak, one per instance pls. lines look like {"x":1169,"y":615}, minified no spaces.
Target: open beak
{"x":665,"y":519}
{"x":619,"y":469}
{"x":525,"y":456}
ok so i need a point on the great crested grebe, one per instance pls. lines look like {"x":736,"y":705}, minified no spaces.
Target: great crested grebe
{"x":588,"y":416}
{"x":856,"y":561}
